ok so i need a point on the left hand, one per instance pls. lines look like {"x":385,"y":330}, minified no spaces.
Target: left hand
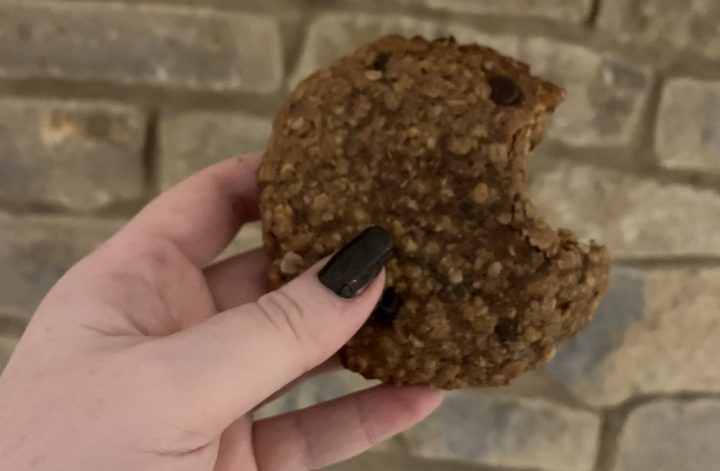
{"x":144,"y":357}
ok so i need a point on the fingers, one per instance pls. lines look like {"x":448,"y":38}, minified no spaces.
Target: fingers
{"x":200,"y":215}
{"x":236,"y":447}
{"x":238,"y":358}
{"x":336,"y":430}
{"x":238,"y":280}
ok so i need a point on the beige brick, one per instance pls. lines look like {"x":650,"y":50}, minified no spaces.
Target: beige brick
{"x":574,"y":11}
{"x":194,"y":140}
{"x":36,"y":251}
{"x":688,"y":127}
{"x":569,"y":10}
{"x":333,"y":35}
{"x":77,"y":154}
{"x":492,"y":430}
{"x":372,"y":461}
{"x":605,"y":95}
{"x":671,"y":435}
{"x":655,"y":333}
{"x":682,"y":25}
{"x":155,"y":44}
{"x":635,"y":216}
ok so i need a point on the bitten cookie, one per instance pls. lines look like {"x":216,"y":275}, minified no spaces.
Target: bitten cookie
{"x":429,"y":140}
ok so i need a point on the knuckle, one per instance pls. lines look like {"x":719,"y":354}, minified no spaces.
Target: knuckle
{"x":287,"y":316}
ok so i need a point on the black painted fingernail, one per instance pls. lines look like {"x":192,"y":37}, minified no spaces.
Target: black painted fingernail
{"x":358,"y":263}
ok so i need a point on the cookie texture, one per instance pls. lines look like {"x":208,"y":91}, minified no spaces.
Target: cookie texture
{"x":428,"y":139}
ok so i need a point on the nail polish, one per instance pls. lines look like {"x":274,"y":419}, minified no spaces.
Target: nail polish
{"x":357,"y":264}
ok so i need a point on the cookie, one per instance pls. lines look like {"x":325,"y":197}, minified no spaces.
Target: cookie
{"x":428,"y":139}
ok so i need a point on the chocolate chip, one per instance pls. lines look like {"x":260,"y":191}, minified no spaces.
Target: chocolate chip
{"x":505,"y":92}
{"x":387,"y":308}
{"x":381,"y":61}
{"x":507,"y":329}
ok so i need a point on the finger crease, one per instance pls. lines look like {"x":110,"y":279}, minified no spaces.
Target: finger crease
{"x":306,"y":454}
{"x":362,"y":416}
{"x":289,"y":317}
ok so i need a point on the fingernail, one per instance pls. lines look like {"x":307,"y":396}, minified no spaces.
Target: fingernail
{"x":357,"y":264}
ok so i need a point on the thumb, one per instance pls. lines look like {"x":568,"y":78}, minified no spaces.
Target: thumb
{"x":236,"y":359}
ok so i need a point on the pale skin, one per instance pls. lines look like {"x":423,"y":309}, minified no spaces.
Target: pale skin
{"x":147,"y":356}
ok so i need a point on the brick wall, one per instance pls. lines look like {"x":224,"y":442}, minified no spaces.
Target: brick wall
{"x":103,"y":104}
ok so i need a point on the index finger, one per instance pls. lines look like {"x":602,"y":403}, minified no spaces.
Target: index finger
{"x":202,"y":214}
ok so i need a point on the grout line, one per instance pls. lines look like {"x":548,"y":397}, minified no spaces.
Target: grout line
{"x":644,"y":139}
{"x":610,"y":429}
{"x":595,"y":7}
{"x":151,"y":154}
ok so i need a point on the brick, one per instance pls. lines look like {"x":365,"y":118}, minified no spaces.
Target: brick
{"x":635,"y":216}
{"x":7,"y":345}
{"x":196,"y":48}
{"x":688,"y":126}
{"x":575,"y":11}
{"x":399,"y":462}
{"x":192,"y":141}
{"x":568,"y":10}
{"x":492,"y":430}
{"x":605,"y":95}
{"x":333,"y":35}
{"x":671,"y":435}
{"x":36,"y":251}
{"x":689,"y":25}
{"x":654,"y":333}
{"x":77,"y":154}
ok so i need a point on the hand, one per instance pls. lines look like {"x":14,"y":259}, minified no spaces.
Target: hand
{"x":143,"y":357}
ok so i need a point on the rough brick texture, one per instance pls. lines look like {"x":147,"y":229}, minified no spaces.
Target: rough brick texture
{"x":78,"y":154}
{"x":510,"y":432}
{"x":688,"y":126}
{"x":634,"y":216}
{"x":655,"y":333}
{"x":146,"y":44}
{"x":192,"y":141}
{"x":683,"y":25}
{"x":333,"y":35}
{"x":671,"y":435}
{"x":605,"y":94}
{"x":567,"y":10}
{"x":36,"y":251}
{"x":401,"y":462}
